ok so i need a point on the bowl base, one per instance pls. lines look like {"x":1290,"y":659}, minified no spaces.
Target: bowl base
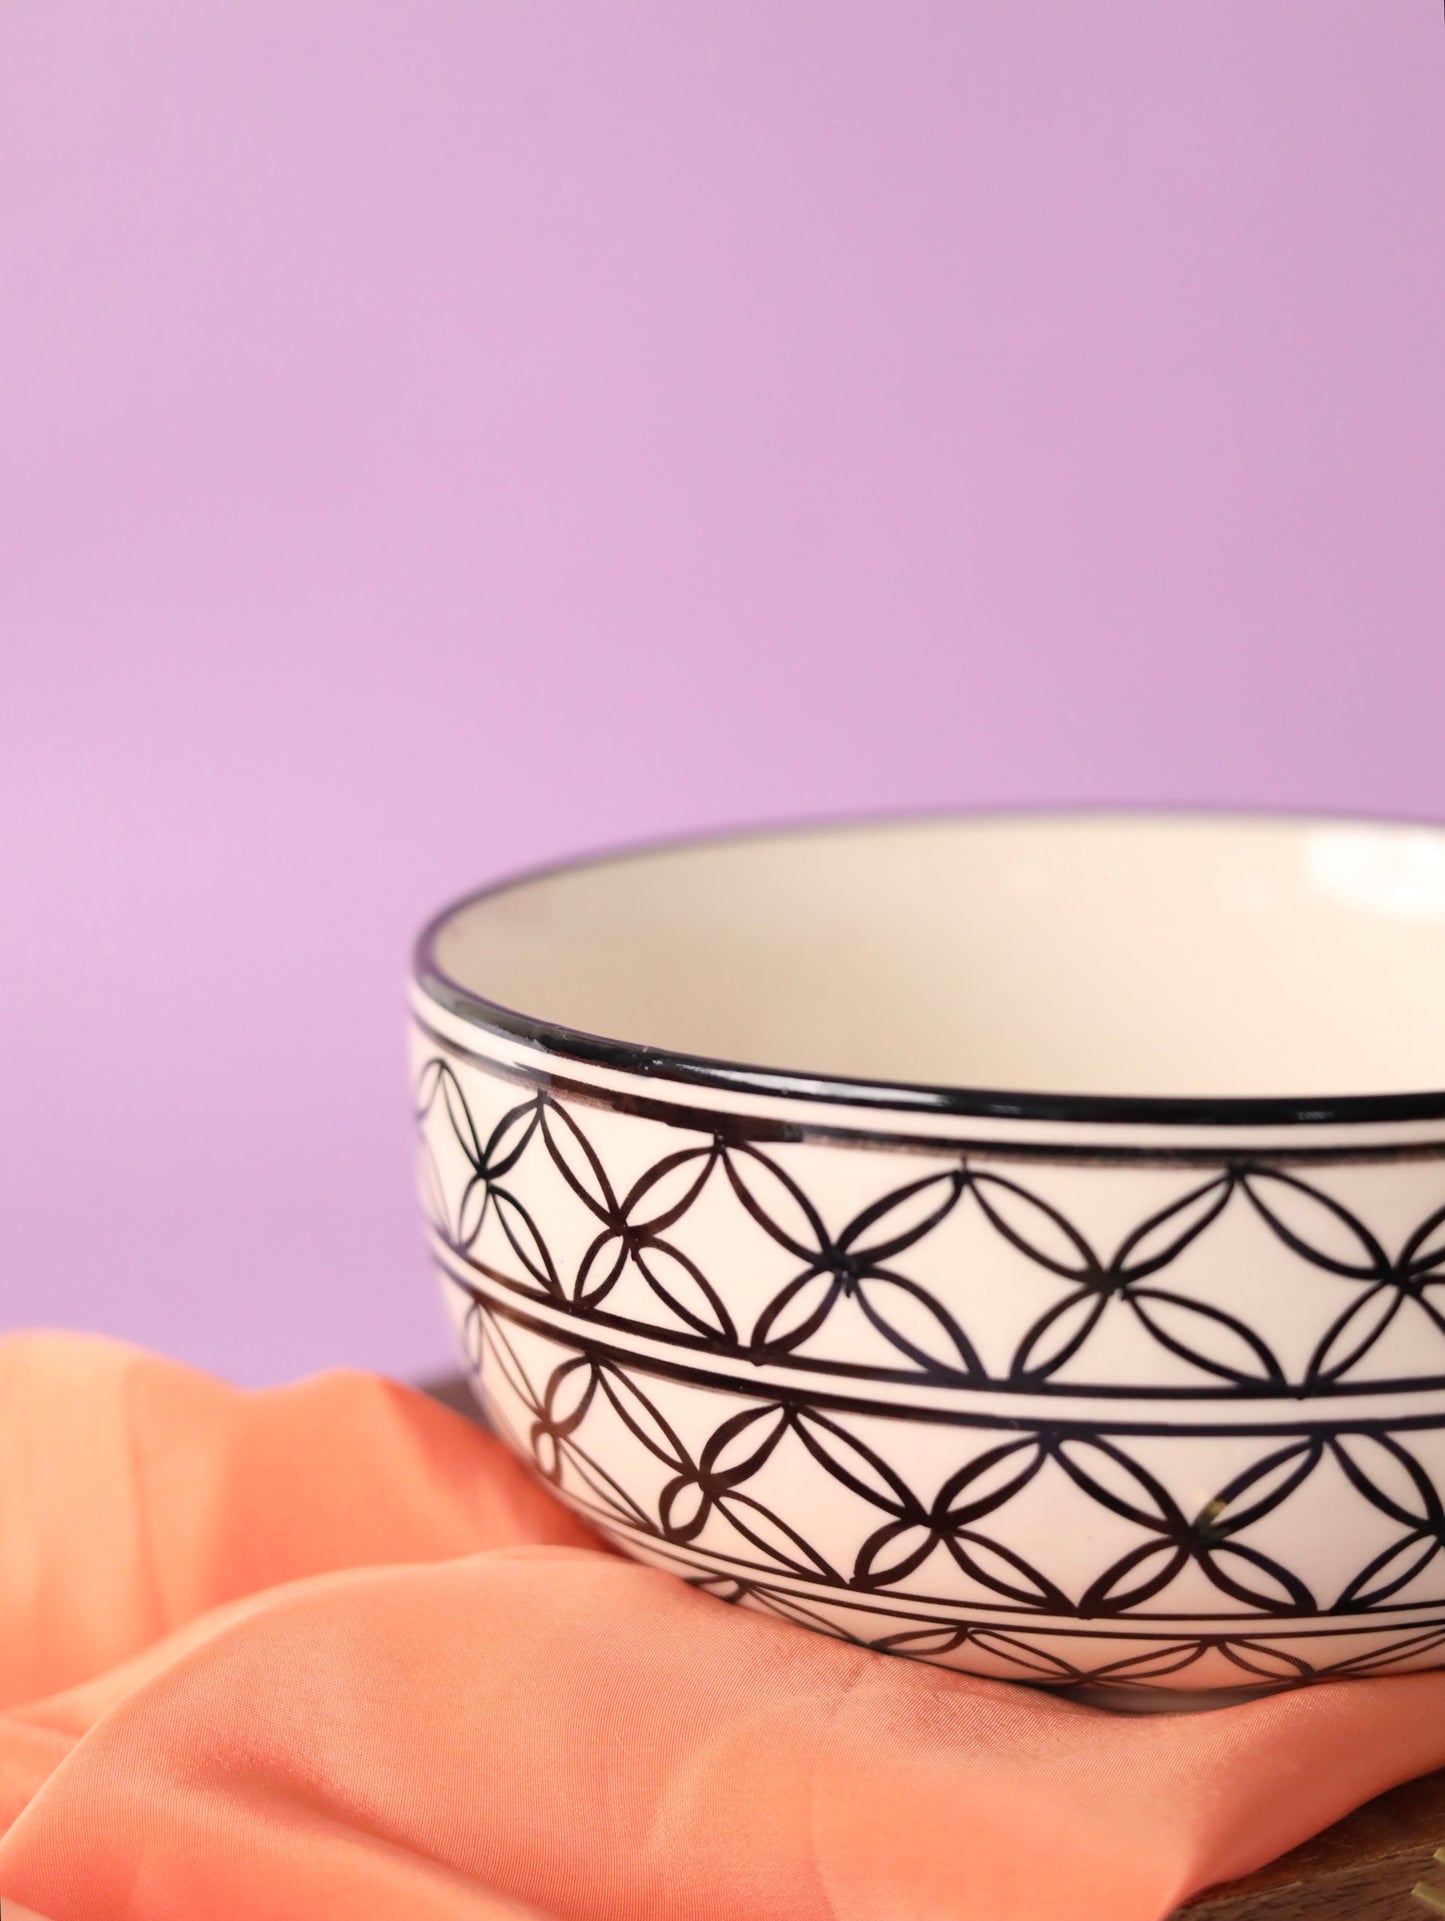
{"x":1161,"y":1700}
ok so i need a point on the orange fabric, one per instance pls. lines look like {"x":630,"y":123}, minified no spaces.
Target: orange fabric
{"x":327,"y":1650}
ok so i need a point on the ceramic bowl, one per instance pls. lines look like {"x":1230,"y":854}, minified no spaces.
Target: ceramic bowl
{"x":1015,"y":1242}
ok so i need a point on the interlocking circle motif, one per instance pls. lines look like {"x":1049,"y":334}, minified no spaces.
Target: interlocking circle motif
{"x":860,"y":1390}
{"x":1359,"y":1289}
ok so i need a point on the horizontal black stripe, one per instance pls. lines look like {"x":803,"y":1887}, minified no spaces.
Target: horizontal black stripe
{"x":663,"y":1064}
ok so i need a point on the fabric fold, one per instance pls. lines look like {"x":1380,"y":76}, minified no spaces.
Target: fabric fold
{"x":329,"y":1649}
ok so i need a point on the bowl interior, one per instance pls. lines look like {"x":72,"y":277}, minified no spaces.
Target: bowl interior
{"x":1154,"y":956}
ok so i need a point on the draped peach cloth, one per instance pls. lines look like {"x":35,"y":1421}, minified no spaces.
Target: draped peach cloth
{"x":328,"y":1650}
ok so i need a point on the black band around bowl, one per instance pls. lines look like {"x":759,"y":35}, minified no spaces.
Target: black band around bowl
{"x":666,"y":1065}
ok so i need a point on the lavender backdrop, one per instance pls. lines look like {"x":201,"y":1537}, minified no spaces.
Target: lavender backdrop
{"x":437,"y":436}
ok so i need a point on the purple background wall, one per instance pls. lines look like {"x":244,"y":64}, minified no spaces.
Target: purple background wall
{"x":438,"y":436}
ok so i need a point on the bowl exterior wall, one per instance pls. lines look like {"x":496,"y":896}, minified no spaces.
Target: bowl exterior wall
{"x":1144,"y":1411}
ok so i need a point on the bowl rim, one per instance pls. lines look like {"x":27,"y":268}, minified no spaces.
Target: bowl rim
{"x":917,"y":1097}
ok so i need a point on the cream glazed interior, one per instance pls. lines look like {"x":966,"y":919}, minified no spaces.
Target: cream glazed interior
{"x":1006,"y":1240}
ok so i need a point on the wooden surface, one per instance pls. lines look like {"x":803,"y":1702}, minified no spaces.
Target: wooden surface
{"x":1367,"y":1867}
{"x":1362,"y":1869}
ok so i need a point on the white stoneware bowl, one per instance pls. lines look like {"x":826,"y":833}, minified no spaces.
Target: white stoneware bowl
{"x":1016,"y":1242}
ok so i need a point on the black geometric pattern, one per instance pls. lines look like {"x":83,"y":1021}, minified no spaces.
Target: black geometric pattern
{"x":678,"y":1472}
{"x":1355,"y":1290}
{"x":745,"y":1427}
